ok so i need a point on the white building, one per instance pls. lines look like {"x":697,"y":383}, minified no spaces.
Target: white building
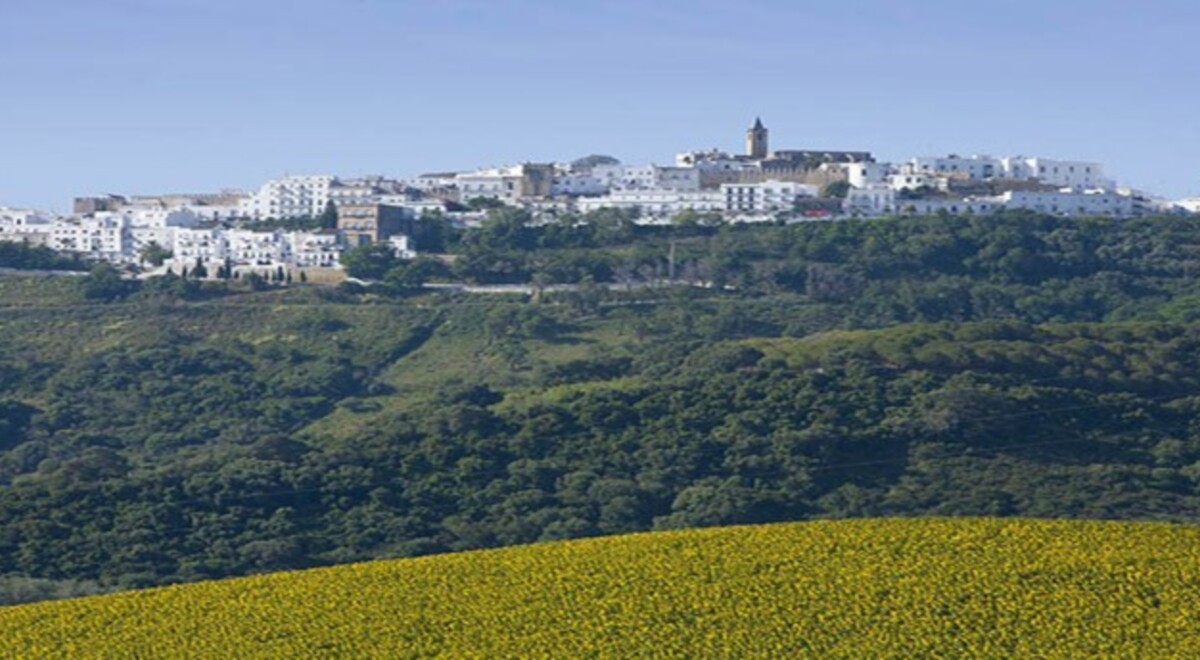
{"x":402,"y":247}
{"x":507,"y":184}
{"x":415,"y":207}
{"x":646,"y":177}
{"x":863,"y":175}
{"x":656,"y":202}
{"x":968,"y":206}
{"x":871,"y":201}
{"x":913,"y":180}
{"x":713,"y":161}
{"x":313,"y":249}
{"x":1084,"y":203}
{"x":154,"y":217}
{"x":1189,"y":204}
{"x":1066,"y":203}
{"x":25,"y":225}
{"x":577,"y":184}
{"x":503,"y":183}
{"x":104,"y":236}
{"x":289,"y":197}
{"x":976,"y":168}
{"x":215,"y":212}
{"x":1058,"y":173}
{"x":765,"y":197}
{"x":366,"y":190}
{"x":434,"y":181}
{"x":207,"y":245}
{"x":255,"y":248}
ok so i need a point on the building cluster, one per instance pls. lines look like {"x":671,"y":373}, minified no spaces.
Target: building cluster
{"x":220,"y":229}
{"x":232,"y":227}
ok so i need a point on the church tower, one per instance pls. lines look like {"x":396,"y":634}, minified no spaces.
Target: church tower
{"x":756,"y":140}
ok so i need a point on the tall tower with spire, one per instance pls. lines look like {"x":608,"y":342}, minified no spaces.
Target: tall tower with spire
{"x":756,"y":140}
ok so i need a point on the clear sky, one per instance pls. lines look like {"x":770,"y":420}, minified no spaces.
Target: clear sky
{"x":155,"y":96}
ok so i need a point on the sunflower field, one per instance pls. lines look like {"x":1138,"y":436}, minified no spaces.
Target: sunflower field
{"x":858,"y":588}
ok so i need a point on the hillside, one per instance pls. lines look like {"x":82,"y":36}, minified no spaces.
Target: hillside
{"x":1001,"y":366}
{"x":882,"y":588}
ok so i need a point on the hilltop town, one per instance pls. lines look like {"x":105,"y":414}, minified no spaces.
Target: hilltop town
{"x":306,"y":222}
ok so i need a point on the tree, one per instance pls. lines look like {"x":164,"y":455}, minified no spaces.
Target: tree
{"x":414,"y":274}
{"x":104,"y":282}
{"x":369,"y":262}
{"x":256,"y":281}
{"x":506,"y":229}
{"x":329,"y":217}
{"x":484,"y":203}
{"x":590,"y":161}
{"x":836,"y":189}
{"x":154,"y":254}
{"x":200,"y":272}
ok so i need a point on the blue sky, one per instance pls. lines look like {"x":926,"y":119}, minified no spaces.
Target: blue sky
{"x":145,"y":96}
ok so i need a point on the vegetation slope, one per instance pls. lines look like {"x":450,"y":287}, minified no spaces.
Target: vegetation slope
{"x":1012,"y":365}
{"x":866,"y":588}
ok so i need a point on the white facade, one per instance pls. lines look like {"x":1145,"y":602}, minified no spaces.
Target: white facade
{"x":577,"y":184}
{"x":313,"y":249}
{"x":259,"y":248}
{"x":1058,"y":173}
{"x":152,"y":217}
{"x":976,"y":168}
{"x":765,"y":197}
{"x":656,"y":202}
{"x":1071,"y":203}
{"x":434,"y":181}
{"x":1190,"y":204}
{"x":402,"y":247}
{"x":713,"y":161}
{"x":969,"y":206}
{"x":1061,"y":173}
{"x":910,"y":180}
{"x":365,"y":190}
{"x":207,"y":245}
{"x":319,"y":249}
{"x":863,"y":175}
{"x":503,"y":183}
{"x":871,"y":201}
{"x":24,"y":224}
{"x":103,"y":236}
{"x":416,"y":208}
{"x":1065,"y":203}
{"x":215,"y":213}
{"x":289,"y":197}
{"x":647,"y":177}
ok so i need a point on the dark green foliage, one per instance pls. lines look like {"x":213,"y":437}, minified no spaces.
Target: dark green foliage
{"x":27,"y":257}
{"x":1025,"y":366}
{"x":154,"y":254}
{"x":369,"y":262}
{"x":836,"y":189}
{"x":329,"y":217}
{"x":408,"y":275}
{"x":104,"y":283}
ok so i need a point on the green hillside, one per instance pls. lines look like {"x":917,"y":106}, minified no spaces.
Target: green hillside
{"x":1008,"y":366}
{"x":867,"y":588}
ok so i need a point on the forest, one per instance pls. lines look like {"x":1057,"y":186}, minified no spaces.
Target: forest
{"x":1004,"y":365}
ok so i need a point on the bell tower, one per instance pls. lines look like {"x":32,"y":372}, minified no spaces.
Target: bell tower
{"x":756,"y":140}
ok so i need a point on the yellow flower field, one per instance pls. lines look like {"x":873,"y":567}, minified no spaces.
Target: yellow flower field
{"x":862,"y":588}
